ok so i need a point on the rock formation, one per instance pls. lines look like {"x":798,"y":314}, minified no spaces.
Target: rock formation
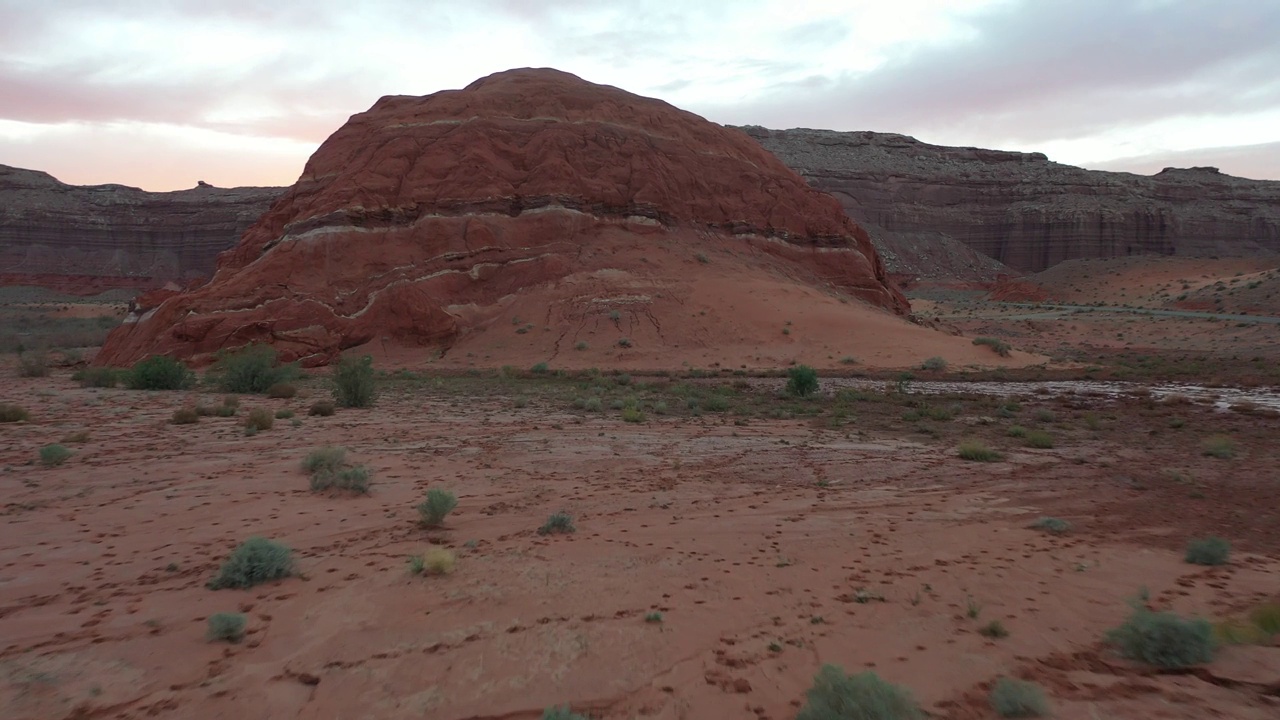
{"x":86,"y":239}
{"x":419,"y":217}
{"x":1020,"y":208}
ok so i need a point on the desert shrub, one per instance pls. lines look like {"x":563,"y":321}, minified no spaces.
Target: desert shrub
{"x":353,"y":382}
{"x":593,"y":404}
{"x":1219,"y":446}
{"x":623,"y":379}
{"x":802,"y":381}
{"x":284,"y":414}
{"x":323,"y":408}
{"x":624,"y":342}
{"x":354,"y":478}
{"x":159,"y":372}
{"x":580,"y":345}
{"x":653,"y":617}
{"x":1052,"y":525}
{"x":325,"y":459}
{"x":1208,"y":551}
{"x":520,"y":402}
{"x":976,"y":451}
{"x":1238,"y":632}
{"x":32,"y":365}
{"x":226,"y":627}
{"x":997,"y":345}
{"x":259,"y":419}
{"x":1017,"y":431}
{"x":1266,"y":618}
{"x":1012,"y":698}
{"x":225,"y":410}
{"x":562,"y":713}
{"x":13,"y":413}
{"x":102,"y":377}
{"x":837,"y":696}
{"x":185,"y":416}
{"x":435,"y":561}
{"x":540,"y":369}
{"x":934,"y":363}
{"x":81,"y":436}
{"x":231,"y":401}
{"x":282,"y":391}
{"x":438,"y":504}
{"x":994,"y":629}
{"x":252,"y":369}
{"x":1163,"y":639}
{"x":256,"y":560}
{"x":55,"y":454}
{"x":1039,"y":439}
{"x":632,"y":415}
{"x":558,"y":523}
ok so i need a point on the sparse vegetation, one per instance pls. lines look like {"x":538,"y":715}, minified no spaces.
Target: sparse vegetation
{"x":838,"y":696}
{"x":1052,"y":525}
{"x":13,"y":413}
{"x":226,"y":627}
{"x":994,"y":630}
{"x":54,"y":454}
{"x":259,"y":419}
{"x":323,"y":408}
{"x":1208,"y":551}
{"x":540,"y":369}
{"x":1219,"y":446}
{"x":1012,"y":698}
{"x":439,"y":503}
{"x":255,"y":561}
{"x":997,"y":345}
{"x":329,"y":469}
{"x":934,"y":363}
{"x":632,"y":415}
{"x":802,"y":381}
{"x":558,"y":523}
{"x":284,"y":414}
{"x":653,"y":617}
{"x":977,"y":451}
{"x":580,"y":345}
{"x":185,"y":416}
{"x":252,"y":369}
{"x":282,"y":391}
{"x":102,"y":377}
{"x":562,"y":713}
{"x":159,"y":372}
{"x":353,"y":382}
{"x":1163,"y":639}
{"x":1039,"y":439}
{"x":33,"y":364}
{"x":624,"y":342}
{"x":435,"y":561}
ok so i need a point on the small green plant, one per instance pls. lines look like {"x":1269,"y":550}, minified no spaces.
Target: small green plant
{"x":159,"y":372}
{"x":259,"y":419}
{"x":226,"y":627}
{"x":252,"y":369}
{"x":593,"y":404}
{"x":580,"y":345}
{"x":540,"y":369}
{"x":1012,"y":698}
{"x":225,"y":410}
{"x":439,"y":503}
{"x":282,"y":391}
{"x":624,"y":342}
{"x":323,"y":408}
{"x":562,"y":713}
{"x":1208,"y":551}
{"x":998,"y":346}
{"x":558,"y":523}
{"x":1163,"y":639}
{"x":1266,"y":617}
{"x":1052,"y":525}
{"x":935,"y":363}
{"x":1017,"y":431}
{"x":13,"y":413}
{"x":1219,"y":446}
{"x":255,"y":561}
{"x":1039,"y":439}
{"x":417,"y":565}
{"x":353,"y":382}
{"x":284,"y":414}
{"x":632,"y":415}
{"x":838,"y":696}
{"x":802,"y":381}
{"x":185,"y":416}
{"x":325,"y":459}
{"x":55,"y":454}
{"x":978,"y":452}
{"x":702,"y":258}
{"x":653,"y":617}
{"x":994,"y":630}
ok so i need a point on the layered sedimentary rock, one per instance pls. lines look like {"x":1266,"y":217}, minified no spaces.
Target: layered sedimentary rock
{"x":423,"y":209}
{"x":86,"y":239}
{"x":1020,"y":208}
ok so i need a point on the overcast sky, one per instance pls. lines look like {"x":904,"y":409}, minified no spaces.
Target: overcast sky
{"x":162,"y":93}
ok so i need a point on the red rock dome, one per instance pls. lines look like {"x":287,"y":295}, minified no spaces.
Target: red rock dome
{"x":422,"y":220}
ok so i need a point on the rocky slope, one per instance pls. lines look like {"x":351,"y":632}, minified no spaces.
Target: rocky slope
{"x":1020,"y":208}
{"x":85,"y":239}
{"x":421,"y":220}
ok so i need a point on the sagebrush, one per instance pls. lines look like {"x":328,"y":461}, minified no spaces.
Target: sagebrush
{"x":256,"y":560}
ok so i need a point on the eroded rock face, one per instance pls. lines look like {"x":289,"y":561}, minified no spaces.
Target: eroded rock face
{"x":1020,"y":208}
{"x":87,"y":239}
{"x":422,"y":209}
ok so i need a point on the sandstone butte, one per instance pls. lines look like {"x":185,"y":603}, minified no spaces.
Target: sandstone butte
{"x":535,"y":216}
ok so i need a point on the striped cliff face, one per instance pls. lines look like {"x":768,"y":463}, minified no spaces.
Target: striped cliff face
{"x":419,"y":218}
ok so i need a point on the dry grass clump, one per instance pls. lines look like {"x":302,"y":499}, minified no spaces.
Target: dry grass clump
{"x":13,"y":413}
{"x":259,"y":419}
{"x":323,"y":408}
{"x":185,"y":416}
{"x":978,"y":452}
{"x":282,"y":391}
{"x":435,"y":561}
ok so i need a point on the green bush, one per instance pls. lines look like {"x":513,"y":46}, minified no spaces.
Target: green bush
{"x":353,"y":382}
{"x":1017,"y":431}
{"x":632,"y":415}
{"x":252,"y":369}
{"x":325,"y":459}
{"x":226,"y":627}
{"x":323,"y":408}
{"x":1052,"y":525}
{"x":13,"y":413}
{"x":802,"y":381}
{"x":256,"y":561}
{"x":354,"y":478}
{"x":1012,"y":698}
{"x":1219,"y":446}
{"x":540,"y":369}
{"x":593,"y":404}
{"x":102,"y":377}
{"x":976,"y":451}
{"x":1163,"y":639}
{"x":55,"y":454}
{"x":562,"y":713}
{"x":558,"y":523}
{"x":1039,"y":439}
{"x":1208,"y":551}
{"x":837,"y":696}
{"x":259,"y":419}
{"x":159,"y":372}
{"x":1000,"y":347}
{"x":934,"y":363}
{"x":284,"y":414}
{"x":185,"y":416}
{"x":438,"y":504}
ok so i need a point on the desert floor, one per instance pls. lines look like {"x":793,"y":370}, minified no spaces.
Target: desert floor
{"x":771,"y":534}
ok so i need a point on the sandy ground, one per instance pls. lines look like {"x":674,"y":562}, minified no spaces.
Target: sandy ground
{"x":770,"y":545}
